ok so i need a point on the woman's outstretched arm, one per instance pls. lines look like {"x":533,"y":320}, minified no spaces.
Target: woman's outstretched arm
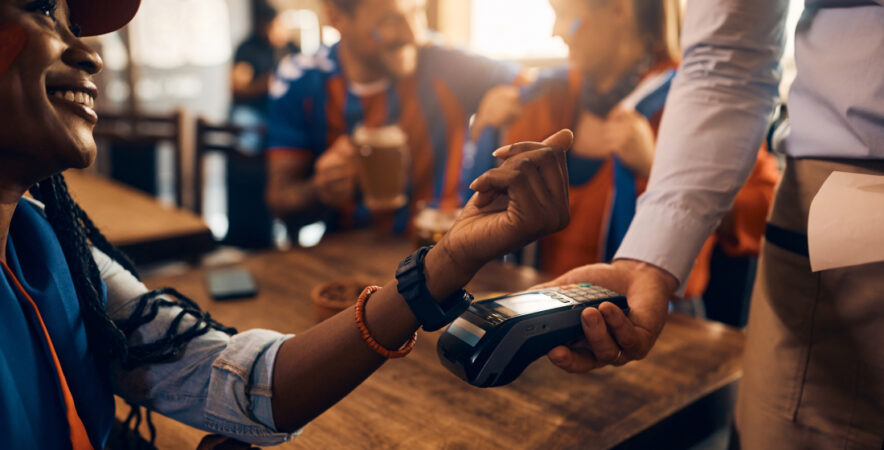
{"x":524,"y":199}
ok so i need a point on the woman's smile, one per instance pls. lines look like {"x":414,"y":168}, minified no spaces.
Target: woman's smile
{"x":77,"y":97}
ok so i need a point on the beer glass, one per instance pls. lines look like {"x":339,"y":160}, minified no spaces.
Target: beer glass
{"x":383,"y":166}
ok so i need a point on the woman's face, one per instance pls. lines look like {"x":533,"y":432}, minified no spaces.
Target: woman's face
{"x":590,"y":28}
{"x":46,"y":92}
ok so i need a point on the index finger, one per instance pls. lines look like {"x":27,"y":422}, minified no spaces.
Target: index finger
{"x":562,"y":139}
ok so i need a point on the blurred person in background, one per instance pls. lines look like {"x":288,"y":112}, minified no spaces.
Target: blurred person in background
{"x":623,"y":57}
{"x":254,"y":61}
{"x":79,"y":326}
{"x":250,"y":223}
{"x":385,"y":70}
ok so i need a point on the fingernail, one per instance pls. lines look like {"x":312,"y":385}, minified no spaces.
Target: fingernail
{"x":499,"y":151}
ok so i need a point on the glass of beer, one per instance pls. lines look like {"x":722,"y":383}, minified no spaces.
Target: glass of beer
{"x":383,"y":166}
{"x":431,"y":224}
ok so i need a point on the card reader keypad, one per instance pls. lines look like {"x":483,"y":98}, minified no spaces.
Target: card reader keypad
{"x":580,"y":293}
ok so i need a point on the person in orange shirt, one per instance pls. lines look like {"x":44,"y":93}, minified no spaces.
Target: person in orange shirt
{"x":623,"y":57}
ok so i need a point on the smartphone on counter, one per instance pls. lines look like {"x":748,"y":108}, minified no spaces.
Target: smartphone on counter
{"x":231,"y":283}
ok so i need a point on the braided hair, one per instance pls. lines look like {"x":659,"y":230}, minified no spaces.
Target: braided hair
{"x":77,"y":234}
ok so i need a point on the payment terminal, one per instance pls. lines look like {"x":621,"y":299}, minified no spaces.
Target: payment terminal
{"x":495,"y":339}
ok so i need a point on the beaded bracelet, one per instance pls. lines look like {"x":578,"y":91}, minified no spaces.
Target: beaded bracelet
{"x":366,"y":335}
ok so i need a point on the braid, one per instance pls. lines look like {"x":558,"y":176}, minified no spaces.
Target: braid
{"x":76,"y":233}
{"x":61,"y":211}
{"x":99,"y":241}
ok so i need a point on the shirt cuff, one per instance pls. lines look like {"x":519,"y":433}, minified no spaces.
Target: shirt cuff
{"x":240,"y":400}
{"x":666,"y":236}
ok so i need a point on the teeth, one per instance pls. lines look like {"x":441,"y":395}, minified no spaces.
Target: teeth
{"x":78,"y":97}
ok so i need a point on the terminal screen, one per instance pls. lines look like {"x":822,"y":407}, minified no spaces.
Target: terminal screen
{"x":518,"y":305}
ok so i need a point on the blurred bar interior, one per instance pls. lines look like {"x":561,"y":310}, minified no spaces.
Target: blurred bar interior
{"x":171,"y":131}
{"x":171,"y":66}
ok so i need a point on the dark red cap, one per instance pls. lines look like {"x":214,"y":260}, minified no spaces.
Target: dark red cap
{"x":102,"y":16}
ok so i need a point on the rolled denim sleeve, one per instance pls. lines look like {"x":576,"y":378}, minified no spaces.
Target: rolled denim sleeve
{"x":219,"y":383}
{"x":715,"y":118}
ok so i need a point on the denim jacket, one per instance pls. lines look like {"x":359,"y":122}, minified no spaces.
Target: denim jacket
{"x":220,"y":383}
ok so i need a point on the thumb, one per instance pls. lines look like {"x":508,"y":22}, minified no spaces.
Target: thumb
{"x":343,"y":146}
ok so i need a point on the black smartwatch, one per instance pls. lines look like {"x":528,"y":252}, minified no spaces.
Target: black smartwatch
{"x":412,"y":284}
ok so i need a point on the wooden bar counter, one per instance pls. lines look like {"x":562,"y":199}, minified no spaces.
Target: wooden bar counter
{"x":415,"y":403}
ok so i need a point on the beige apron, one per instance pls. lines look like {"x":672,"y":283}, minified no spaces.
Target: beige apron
{"x":814,"y":362}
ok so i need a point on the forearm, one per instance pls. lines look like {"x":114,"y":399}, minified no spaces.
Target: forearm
{"x":292,"y":196}
{"x":715,"y":117}
{"x":320,"y":366}
{"x":256,"y":88}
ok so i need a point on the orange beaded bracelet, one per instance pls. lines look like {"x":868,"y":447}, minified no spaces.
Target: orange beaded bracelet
{"x":366,"y":335}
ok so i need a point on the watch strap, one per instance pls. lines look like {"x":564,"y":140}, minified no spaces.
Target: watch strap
{"x":412,"y":285}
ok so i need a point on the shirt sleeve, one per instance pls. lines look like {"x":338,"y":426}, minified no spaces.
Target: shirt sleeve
{"x":715,"y":119}
{"x":219,"y":383}
{"x":750,"y":209}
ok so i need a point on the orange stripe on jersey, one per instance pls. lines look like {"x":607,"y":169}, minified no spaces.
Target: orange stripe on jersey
{"x":79,"y":438}
{"x":415,"y":127}
{"x":335,"y":118}
{"x":583,"y":240}
{"x":455,"y":124}
{"x":374,"y":109}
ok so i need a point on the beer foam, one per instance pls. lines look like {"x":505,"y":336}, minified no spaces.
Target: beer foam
{"x":385,"y":136}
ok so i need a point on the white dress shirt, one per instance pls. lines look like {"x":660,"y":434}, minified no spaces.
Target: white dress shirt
{"x":721,"y":100}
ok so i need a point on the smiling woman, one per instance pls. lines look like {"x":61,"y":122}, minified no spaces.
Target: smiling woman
{"x":78,"y":326}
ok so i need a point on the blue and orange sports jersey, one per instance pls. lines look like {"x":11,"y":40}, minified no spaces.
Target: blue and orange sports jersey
{"x":55,"y":392}
{"x":312,"y":105}
{"x":603,"y":193}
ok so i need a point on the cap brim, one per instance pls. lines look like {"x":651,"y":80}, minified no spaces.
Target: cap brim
{"x":102,"y":16}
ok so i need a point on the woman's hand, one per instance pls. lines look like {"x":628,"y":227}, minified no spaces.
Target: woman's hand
{"x":516,"y":203}
{"x":499,"y":107}
{"x":630,"y":136}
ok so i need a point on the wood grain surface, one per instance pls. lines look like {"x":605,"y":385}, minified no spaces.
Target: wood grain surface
{"x":145,"y":229}
{"x":416,"y":403}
